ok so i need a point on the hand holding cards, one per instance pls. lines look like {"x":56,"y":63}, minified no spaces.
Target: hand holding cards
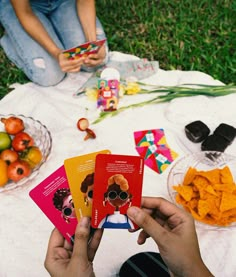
{"x":83,"y":50}
{"x":98,"y":185}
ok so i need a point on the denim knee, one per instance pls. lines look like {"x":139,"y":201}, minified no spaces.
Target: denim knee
{"x":42,"y":70}
{"x":45,"y":75}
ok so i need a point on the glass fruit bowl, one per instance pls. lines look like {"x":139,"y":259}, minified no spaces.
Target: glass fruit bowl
{"x":203,"y":183}
{"x":42,"y":139}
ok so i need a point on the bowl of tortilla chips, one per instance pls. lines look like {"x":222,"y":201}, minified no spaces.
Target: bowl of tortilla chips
{"x":204,"y":184}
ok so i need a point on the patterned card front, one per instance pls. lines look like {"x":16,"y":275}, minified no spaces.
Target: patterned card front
{"x":153,"y":147}
{"x":84,"y":49}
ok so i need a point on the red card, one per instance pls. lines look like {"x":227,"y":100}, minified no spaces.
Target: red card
{"x":54,"y":198}
{"x":117,"y":185}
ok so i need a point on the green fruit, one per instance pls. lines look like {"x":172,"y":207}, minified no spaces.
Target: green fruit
{"x":5,"y":141}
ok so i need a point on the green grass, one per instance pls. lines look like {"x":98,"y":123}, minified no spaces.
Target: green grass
{"x":180,"y":34}
{"x":9,"y":73}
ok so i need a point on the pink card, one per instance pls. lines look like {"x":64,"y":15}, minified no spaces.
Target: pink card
{"x":53,"y":197}
{"x":117,"y":185}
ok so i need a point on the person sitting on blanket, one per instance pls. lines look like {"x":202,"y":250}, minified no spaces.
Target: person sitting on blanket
{"x":170,"y":227}
{"x":37,"y":31}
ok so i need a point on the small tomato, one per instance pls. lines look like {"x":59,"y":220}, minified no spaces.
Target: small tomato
{"x":9,"y":156}
{"x":18,"y":170}
{"x":21,"y":141}
{"x":32,"y":155}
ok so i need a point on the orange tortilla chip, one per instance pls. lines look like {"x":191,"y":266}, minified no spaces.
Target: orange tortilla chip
{"x":213,"y":176}
{"x":224,"y":187}
{"x":210,"y":190}
{"x":229,"y":213}
{"x":226,"y":176}
{"x":185,"y":191}
{"x":203,"y":208}
{"x":200,"y":182}
{"x":193,"y":203}
{"x":179,"y":199}
{"x":189,"y":176}
{"x":210,"y":196}
{"x":228,"y":202}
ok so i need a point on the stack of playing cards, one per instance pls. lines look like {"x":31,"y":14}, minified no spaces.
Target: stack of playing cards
{"x":99,"y":185}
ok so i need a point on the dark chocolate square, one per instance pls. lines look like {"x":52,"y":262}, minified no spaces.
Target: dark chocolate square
{"x":226,"y":131}
{"x":196,"y":131}
{"x":214,"y":143}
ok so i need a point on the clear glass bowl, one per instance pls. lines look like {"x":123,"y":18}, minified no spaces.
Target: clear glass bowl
{"x":42,"y":139}
{"x":205,"y":160}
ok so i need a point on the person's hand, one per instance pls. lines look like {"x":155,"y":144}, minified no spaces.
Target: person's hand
{"x":174,"y":232}
{"x":63,"y":260}
{"x":96,"y":59}
{"x":70,"y":66}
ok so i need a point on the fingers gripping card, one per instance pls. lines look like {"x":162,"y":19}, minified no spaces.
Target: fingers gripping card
{"x":117,"y":185}
{"x":80,"y":174}
{"x":54,"y":198}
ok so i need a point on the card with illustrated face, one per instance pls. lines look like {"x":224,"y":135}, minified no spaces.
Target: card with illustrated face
{"x":84,"y":49}
{"x":54,"y":198}
{"x":108,"y":94}
{"x":117,"y":185}
{"x":80,"y":174}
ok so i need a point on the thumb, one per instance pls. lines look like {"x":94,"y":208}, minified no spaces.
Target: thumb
{"x":79,"y":263}
{"x":80,"y":249}
{"x":146,"y":222}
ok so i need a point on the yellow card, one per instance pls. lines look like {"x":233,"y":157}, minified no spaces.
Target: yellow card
{"x":80,"y":175}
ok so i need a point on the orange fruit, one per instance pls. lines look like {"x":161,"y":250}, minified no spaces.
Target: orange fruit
{"x":3,"y":173}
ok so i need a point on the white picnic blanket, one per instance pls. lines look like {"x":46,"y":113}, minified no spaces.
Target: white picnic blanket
{"x":24,"y":229}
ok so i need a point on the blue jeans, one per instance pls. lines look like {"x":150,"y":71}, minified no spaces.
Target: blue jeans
{"x":61,"y":21}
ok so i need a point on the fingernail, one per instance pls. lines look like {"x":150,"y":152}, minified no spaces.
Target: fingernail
{"x":132,"y":211}
{"x":84,"y":222}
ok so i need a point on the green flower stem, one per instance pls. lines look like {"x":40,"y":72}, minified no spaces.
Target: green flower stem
{"x":104,"y":115}
{"x":172,"y":93}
